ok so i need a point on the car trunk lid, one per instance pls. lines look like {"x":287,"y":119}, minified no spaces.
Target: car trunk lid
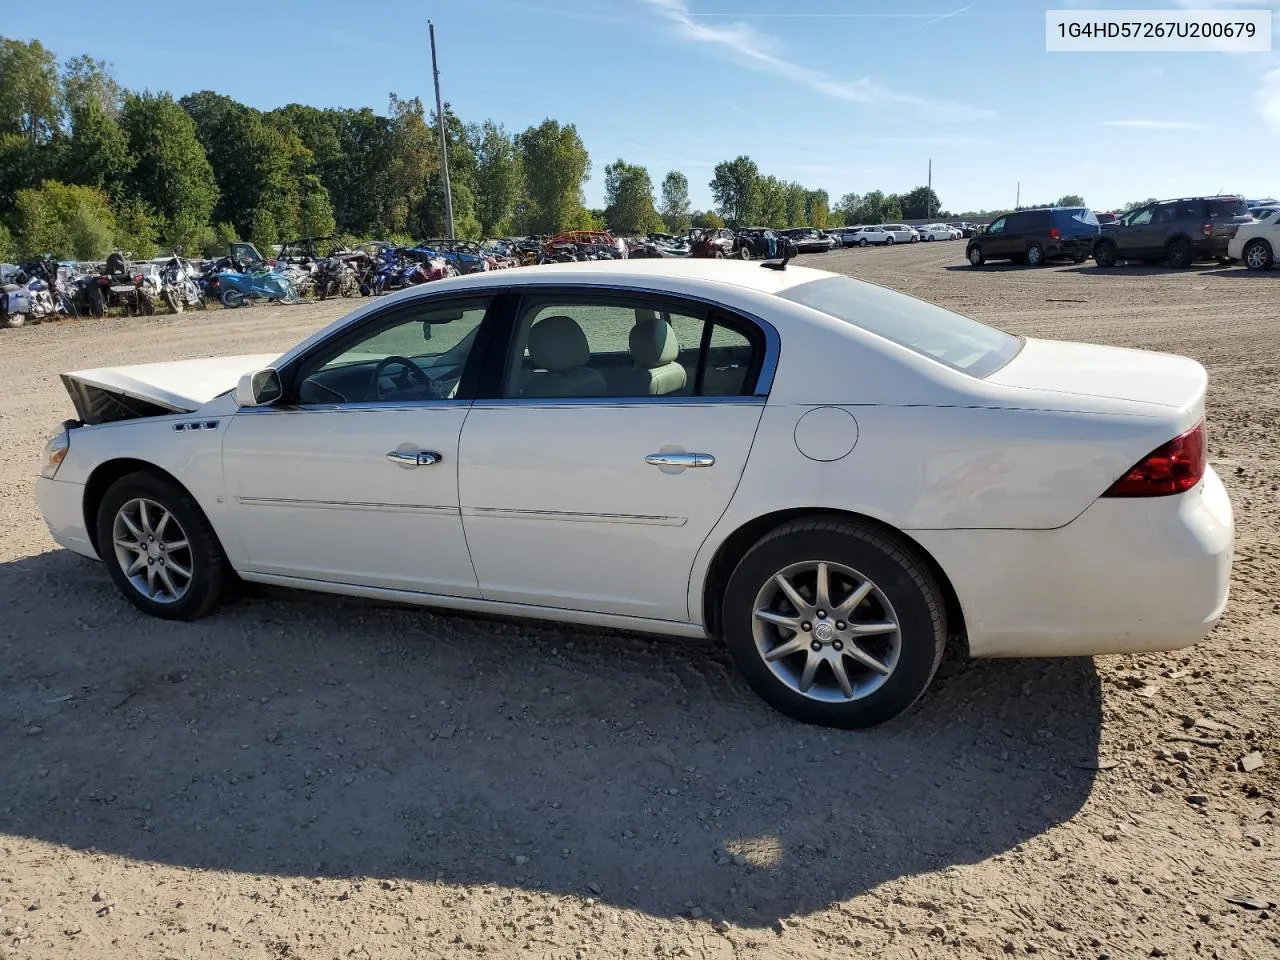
{"x":1117,"y":373}
{"x":153,"y":389}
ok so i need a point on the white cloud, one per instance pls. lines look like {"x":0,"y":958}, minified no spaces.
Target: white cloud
{"x":1267,"y":100}
{"x":1154,"y":124}
{"x":760,"y":53}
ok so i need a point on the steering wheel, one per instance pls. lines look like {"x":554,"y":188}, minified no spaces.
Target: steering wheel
{"x":411,"y":372}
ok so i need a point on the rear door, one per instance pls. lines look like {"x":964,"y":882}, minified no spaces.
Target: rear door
{"x":580,"y":489}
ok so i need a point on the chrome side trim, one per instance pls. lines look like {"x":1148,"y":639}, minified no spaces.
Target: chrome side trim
{"x":613,"y":402}
{"x":502,"y":513}
{"x":615,"y":621}
{"x":360,"y":407}
{"x":347,"y":505}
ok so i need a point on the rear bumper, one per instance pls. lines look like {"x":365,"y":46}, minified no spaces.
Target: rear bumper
{"x":62,"y":506}
{"x":1070,"y":247}
{"x":1126,"y":576}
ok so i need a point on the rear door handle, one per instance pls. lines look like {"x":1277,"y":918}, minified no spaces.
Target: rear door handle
{"x":414,"y":458}
{"x":680,"y":460}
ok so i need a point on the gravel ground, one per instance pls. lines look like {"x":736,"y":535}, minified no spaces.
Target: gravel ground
{"x":299,"y":777}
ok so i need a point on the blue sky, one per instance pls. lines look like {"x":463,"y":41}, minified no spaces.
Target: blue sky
{"x":848,"y":95}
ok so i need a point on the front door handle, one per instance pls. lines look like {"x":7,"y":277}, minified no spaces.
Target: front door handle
{"x":413,"y":458}
{"x":680,"y":460}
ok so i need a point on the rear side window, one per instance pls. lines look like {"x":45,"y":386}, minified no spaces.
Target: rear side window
{"x":1075,"y":217}
{"x":1224,"y":208}
{"x":958,"y":341}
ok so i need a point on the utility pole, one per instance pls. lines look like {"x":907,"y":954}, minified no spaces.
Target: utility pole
{"x":1017,"y":203}
{"x":444,"y":139}
{"x":928,"y":201}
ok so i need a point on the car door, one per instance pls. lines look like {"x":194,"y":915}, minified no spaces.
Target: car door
{"x":351,"y":477}
{"x":599,"y":465}
{"x":994,"y":240}
{"x":1136,"y":234}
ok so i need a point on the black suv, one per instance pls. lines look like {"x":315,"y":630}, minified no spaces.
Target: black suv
{"x":1036,"y":236}
{"x":1179,"y":232}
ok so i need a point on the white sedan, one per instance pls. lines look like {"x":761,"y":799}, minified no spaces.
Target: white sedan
{"x":938,"y":231}
{"x":1256,"y":243}
{"x":863,"y":236}
{"x":833,"y":478}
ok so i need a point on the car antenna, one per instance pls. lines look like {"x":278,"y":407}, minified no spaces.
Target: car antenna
{"x":779,"y":264}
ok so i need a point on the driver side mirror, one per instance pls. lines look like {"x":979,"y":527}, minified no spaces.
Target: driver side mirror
{"x":259,"y":388}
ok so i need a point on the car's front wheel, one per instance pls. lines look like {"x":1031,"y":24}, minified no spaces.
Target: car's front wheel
{"x":159,"y":547}
{"x":1258,"y":255}
{"x":888,"y":241}
{"x":1104,"y":254}
{"x":835,"y":622}
{"x":862,"y":241}
{"x":976,"y":256}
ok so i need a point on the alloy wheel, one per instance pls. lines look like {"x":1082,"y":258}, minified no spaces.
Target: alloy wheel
{"x":152,"y":550}
{"x":826,"y":631}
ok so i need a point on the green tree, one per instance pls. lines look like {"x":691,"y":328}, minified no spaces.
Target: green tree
{"x":851,"y":206}
{"x":920,"y":204}
{"x":138,"y":228}
{"x":707,"y":219}
{"x":498,"y":179}
{"x":628,"y":193}
{"x":794,"y":200}
{"x":1135,"y":204}
{"x":263,"y":231}
{"x":816,"y":212}
{"x":315,"y":212}
{"x":736,"y":189}
{"x":172,"y":173}
{"x":771,"y":210}
{"x":413,"y":160}
{"x":1070,"y":200}
{"x":555,"y":164}
{"x":29,"y":90}
{"x":66,"y":220}
{"x":8,"y":249}
{"x":97,"y":153}
{"x":224,"y":234}
{"x":675,"y":201}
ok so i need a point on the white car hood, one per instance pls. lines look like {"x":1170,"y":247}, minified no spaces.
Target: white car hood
{"x":178,"y":386}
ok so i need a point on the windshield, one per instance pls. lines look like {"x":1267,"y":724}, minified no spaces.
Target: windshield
{"x":959,"y":342}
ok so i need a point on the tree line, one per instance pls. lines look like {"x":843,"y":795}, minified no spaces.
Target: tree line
{"x":87,"y":166}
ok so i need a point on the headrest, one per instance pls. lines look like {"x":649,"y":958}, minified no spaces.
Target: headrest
{"x":558,"y":343}
{"x":653,"y":342}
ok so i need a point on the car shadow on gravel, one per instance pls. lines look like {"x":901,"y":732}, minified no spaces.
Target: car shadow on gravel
{"x":296,"y":735}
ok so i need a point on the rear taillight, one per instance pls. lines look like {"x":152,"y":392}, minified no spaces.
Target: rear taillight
{"x":1175,"y":467}
{"x":137,"y":278}
{"x":1207,"y":229}
{"x":1054,"y":233}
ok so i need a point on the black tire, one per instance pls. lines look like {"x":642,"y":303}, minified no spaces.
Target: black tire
{"x":1179,"y":254}
{"x":1104,"y":254}
{"x":146,"y":306}
{"x":975,"y":256}
{"x":744,"y":252}
{"x":231,"y":298}
{"x":172,"y":301}
{"x":1080,"y":258}
{"x":889,"y":241}
{"x":14,"y":319}
{"x":1034,"y":255}
{"x":93,"y":302}
{"x":930,"y":238}
{"x":862,"y":241}
{"x":1258,"y":255}
{"x":209,"y":568}
{"x":719,"y":254}
{"x":888,"y":561}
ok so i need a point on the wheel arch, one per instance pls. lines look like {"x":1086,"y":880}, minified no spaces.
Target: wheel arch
{"x":107,"y":473}
{"x":735,"y":546}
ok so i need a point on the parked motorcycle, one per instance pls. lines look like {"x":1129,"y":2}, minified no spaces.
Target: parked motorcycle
{"x":29,"y":298}
{"x":235,"y":288}
{"x":117,"y":287}
{"x":177,"y":287}
{"x":335,"y":277}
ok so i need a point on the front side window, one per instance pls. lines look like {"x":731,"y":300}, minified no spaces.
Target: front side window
{"x":997,"y":226}
{"x":958,"y":341}
{"x":620,"y":347}
{"x":417,"y":353}
{"x":1141,"y":218}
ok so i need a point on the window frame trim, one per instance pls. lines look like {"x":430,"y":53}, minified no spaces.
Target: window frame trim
{"x":760,"y":332}
{"x":386,"y":318}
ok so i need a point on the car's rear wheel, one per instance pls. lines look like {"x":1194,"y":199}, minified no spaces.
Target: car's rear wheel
{"x":1034,"y":255}
{"x":1179,"y":254}
{"x":976,"y":256}
{"x":888,"y":240}
{"x":835,"y":622}
{"x":862,"y":241}
{"x":159,"y":547}
{"x":1258,"y":255}
{"x":744,"y":252}
{"x":1104,"y":254}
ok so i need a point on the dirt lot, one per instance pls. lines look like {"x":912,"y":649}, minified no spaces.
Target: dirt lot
{"x":305,"y":777}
